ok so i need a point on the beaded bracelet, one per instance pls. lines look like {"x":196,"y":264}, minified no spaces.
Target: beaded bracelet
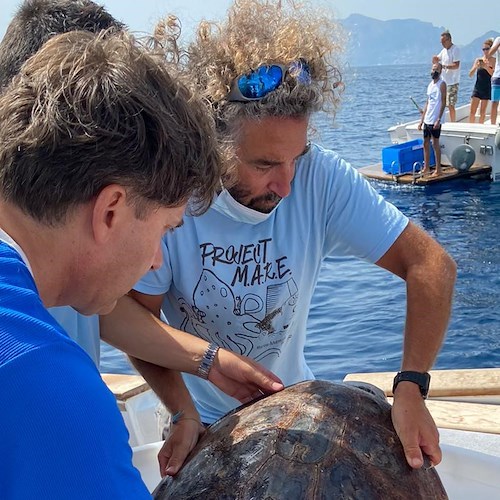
{"x":207,"y":361}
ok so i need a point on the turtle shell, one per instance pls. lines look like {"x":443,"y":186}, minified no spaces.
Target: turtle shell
{"x":313,"y":440}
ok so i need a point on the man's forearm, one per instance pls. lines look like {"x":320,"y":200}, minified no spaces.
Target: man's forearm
{"x":429,"y":295}
{"x":132,"y":328}
{"x":429,"y":273}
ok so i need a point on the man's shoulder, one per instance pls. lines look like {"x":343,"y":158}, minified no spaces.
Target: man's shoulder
{"x":24,"y":334}
{"x":327,"y":172}
{"x":455,"y":50}
{"x":26,"y":324}
{"x":13,"y":269}
{"x":319,"y":157}
{"x":321,"y":167}
{"x":8,"y":253}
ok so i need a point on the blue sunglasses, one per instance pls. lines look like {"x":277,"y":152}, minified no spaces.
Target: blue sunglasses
{"x":263,"y":80}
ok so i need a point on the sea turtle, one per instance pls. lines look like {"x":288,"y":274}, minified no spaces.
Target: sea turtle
{"x":313,"y":440}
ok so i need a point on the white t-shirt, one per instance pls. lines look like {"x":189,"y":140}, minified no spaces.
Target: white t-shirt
{"x":247,"y":285}
{"x":447,"y":57}
{"x":433,"y":102}
{"x":496,"y":73}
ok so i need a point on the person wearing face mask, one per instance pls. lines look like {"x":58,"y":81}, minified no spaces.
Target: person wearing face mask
{"x":242,"y":275}
{"x":433,"y":118}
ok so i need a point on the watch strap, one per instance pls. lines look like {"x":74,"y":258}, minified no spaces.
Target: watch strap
{"x":207,"y":361}
{"x":421,"y":379}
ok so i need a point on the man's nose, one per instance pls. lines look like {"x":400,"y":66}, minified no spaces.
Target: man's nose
{"x":157,"y":259}
{"x":281,"y":183}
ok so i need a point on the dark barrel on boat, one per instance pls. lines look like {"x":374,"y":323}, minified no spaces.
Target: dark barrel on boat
{"x":313,"y":440}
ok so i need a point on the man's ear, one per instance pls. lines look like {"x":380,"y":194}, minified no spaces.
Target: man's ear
{"x":109,"y":211}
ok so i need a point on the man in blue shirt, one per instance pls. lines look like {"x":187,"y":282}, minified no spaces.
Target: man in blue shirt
{"x":35,"y":22}
{"x":100,"y":149}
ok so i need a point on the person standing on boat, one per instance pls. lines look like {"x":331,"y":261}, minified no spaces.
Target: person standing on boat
{"x":449,"y":57}
{"x":243,"y":274}
{"x":495,"y":81}
{"x":100,"y":150}
{"x":433,"y":118}
{"x":483,"y":67}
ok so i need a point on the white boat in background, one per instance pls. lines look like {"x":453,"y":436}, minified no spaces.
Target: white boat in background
{"x":467,"y":150}
{"x":464,"y":403}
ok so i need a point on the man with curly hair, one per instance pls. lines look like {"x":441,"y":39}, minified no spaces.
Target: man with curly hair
{"x":255,"y":256}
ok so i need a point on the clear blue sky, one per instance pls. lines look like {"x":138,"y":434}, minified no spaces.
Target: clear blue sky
{"x":465,"y":20}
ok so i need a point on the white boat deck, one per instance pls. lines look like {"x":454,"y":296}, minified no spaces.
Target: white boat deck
{"x":483,"y":139}
{"x":480,"y":442}
{"x":449,"y":173}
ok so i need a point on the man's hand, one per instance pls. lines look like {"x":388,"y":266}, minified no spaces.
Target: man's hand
{"x":242,"y":378}
{"x":414,"y":425}
{"x":239,"y":377}
{"x":182,"y":439}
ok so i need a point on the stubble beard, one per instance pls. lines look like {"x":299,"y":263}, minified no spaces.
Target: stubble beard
{"x":263,"y":204}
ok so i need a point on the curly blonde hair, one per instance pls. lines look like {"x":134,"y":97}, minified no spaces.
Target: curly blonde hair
{"x":255,"y":33}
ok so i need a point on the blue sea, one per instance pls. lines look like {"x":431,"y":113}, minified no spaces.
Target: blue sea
{"x":357,"y":315}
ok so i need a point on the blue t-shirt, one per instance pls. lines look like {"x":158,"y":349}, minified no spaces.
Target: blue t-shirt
{"x":61,"y":433}
{"x":245,"y":281}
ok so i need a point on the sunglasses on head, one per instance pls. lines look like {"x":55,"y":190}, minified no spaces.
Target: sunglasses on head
{"x":261,"y":81}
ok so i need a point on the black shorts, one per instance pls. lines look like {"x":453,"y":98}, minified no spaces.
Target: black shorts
{"x":429,"y":130}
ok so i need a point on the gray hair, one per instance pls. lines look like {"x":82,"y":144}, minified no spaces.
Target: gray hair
{"x":255,"y":33}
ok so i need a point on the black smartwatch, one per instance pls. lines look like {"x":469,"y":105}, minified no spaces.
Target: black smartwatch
{"x":421,"y":379}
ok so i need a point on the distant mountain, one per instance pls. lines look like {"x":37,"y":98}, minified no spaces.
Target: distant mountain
{"x":399,"y":41}
{"x":472,"y":50}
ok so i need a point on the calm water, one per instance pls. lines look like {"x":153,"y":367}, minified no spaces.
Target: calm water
{"x":357,"y":313}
